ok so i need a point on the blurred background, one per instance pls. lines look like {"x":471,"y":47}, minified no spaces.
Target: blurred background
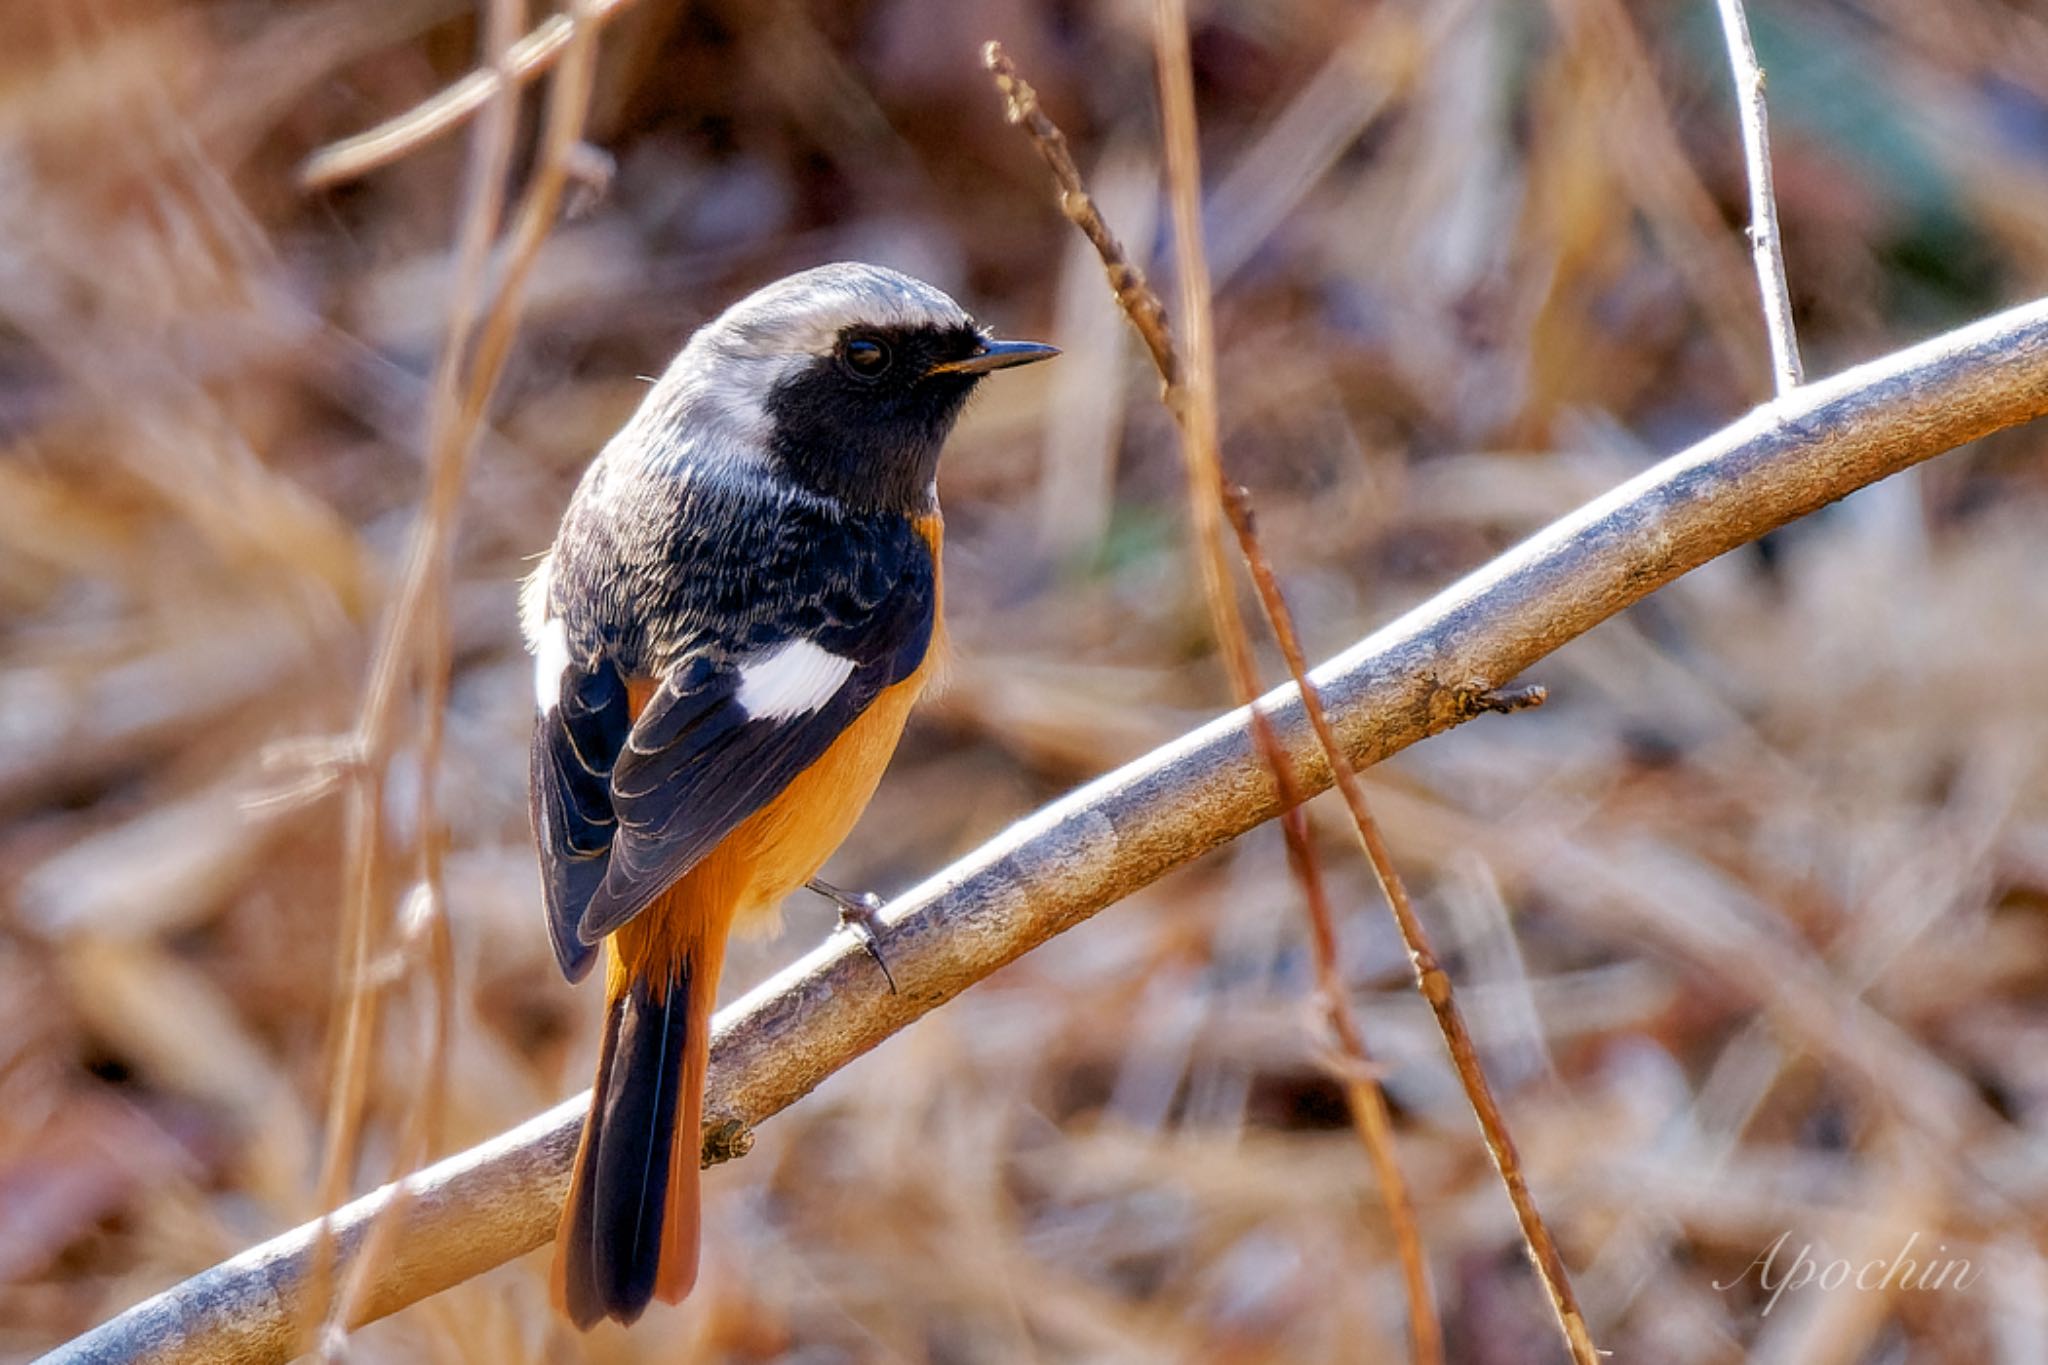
{"x":1751,"y":919}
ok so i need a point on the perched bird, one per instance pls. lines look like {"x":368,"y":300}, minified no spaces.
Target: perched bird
{"x":738,"y":610}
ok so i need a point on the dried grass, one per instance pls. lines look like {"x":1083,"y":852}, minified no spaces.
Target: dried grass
{"x":1748,"y":920}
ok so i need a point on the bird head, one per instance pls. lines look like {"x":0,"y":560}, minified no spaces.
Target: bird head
{"x":846,"y":379}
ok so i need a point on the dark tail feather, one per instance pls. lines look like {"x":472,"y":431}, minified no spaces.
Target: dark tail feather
{"x":575,"y":1286}
{"x":629,"y":1228}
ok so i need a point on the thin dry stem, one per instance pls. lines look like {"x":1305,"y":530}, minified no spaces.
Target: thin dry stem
{"x":1430,"y":978}
{"x":427,"y":937}
{"x":1189,"y":393}
{"x":1044,"y":875}
{"x":1765,"y":243}
{"x":415,"y":612}
{"x":415,"y":642}
{"x":1191,"y":397}
{"x":1215,"y":498}
{"x":451,"y":106}
{"x":1126,"y":281}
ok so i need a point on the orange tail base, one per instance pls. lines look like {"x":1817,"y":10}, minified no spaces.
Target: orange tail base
{"x":629,"y":1230}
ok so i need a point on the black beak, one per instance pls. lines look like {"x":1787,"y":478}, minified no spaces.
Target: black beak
{"x":998,"y":355}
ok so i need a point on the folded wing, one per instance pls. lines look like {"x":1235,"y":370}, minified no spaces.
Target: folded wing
{"x":623,"y":806}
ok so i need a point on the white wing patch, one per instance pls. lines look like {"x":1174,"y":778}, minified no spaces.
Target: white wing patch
{"x":791,"y":681}
{"x":550,"y":662}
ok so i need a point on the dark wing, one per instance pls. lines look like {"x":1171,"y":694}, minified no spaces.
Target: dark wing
{"x":622,"y":806}
{"x":574,"y":747}
{"x":717,"y":743}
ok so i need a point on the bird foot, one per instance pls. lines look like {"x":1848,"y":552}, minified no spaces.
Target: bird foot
{"x":860,"y":914}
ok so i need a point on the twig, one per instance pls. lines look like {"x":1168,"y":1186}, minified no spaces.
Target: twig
{"x":1214,"y":497}
{"x":1190,"y":395}
{"x":415,"y":641}
{"x":1126,"y":281}
{"x":1765,"y":243}
{"x":1430,"y":978}
{"x":448,"y":108}
{"x":414,"y":614}
{"x":1505,"y":701}
{"x":427,"y":938}
{"x":1053,"y":870}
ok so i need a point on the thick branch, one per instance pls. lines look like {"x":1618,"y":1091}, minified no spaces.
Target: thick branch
{"x":1422,"y":674}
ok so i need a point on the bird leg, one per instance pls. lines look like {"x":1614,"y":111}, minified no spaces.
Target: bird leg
{"x":859,"y":915}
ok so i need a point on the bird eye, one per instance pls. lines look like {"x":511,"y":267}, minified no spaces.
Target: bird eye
{"x":866,"y":357}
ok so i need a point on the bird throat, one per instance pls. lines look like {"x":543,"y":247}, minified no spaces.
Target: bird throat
{"x":870,"y":451}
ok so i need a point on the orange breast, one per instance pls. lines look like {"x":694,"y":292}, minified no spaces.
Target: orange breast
{"x":781,"y":846}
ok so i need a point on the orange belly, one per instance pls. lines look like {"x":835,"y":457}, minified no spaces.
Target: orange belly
{"x":781,"y":846}
{"x":778,"y":848}
{"x":741,"y":882}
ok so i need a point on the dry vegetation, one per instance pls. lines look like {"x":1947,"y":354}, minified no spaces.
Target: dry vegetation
{"x":1751,"y":921}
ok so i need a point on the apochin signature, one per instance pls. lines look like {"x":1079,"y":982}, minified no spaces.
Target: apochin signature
{"x":1777,"y":1271}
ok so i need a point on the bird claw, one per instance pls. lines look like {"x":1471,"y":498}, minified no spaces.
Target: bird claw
{"x":859,"y":915}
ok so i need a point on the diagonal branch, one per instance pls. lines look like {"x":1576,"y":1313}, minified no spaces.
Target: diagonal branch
{"x":1420,"y":675}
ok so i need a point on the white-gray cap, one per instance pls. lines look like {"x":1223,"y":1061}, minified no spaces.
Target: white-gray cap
{"x":805,"y":313}
{"x":718,"y":383}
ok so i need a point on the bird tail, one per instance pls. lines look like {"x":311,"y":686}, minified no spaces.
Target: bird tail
{"x":629,"y":1229}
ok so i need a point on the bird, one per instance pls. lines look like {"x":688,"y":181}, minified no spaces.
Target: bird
{"x":740,"y":606}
